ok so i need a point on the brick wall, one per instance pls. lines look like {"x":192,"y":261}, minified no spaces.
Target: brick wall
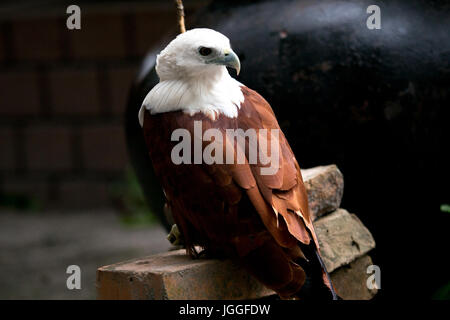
{"x":62,"y":97}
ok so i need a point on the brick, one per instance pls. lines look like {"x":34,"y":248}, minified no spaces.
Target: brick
{"x":37,"y":39}
{"x":75,"y":92}
{"x":101,"y":36}
{"x":325,"y":188}
{"x":48,"y":148}
{"x":120,"y":80}
{"x":159,"y":22}
{"x":34,"y":189}
{"x":342,"y":238}
{"x":6,"y":149}
{"x":103,"y":148}
{"x":83,"y":193}
{"x":173,"y":275}
{"x":19,"y":93}
{"x":350,"y":280}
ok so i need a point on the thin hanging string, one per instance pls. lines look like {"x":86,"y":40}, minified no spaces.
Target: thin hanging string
{"x":180,"y":12}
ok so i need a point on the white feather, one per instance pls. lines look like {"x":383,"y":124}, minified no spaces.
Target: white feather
{"x":187,"y":84}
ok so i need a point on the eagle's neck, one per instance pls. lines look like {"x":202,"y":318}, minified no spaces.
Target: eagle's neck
{"x":211,"y":93}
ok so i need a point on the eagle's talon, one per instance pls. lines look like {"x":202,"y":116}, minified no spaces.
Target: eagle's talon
{"x":175,"y":237}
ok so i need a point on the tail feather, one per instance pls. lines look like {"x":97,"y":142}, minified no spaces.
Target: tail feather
{"x":291,"y":273}
{"x":318,"y":284}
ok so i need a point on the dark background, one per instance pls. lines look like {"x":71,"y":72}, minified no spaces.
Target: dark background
{"x":63,"y":96}
{"x":67,"y":191}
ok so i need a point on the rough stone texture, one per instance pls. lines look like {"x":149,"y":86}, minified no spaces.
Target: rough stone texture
{"x":325,"y":187}
{"x":350,"y":280}
{"x":342,"y":238}
{"x":173,"y":275}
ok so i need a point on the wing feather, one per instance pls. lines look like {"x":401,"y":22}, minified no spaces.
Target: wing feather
{"x":208,"y":200}
{"x":284,"y":191}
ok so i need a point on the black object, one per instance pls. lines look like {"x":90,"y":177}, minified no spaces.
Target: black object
{"x":375,"y":102}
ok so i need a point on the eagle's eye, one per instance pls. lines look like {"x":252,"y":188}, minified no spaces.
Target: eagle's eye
{"x":204,"y":51}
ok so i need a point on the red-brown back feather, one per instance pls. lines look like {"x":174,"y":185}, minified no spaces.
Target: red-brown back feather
{"x":232,"y":208}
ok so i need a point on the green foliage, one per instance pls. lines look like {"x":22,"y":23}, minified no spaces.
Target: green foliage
{"x":129,"y":199}
{"x":443,"y":293}
{"x":445,"y":208}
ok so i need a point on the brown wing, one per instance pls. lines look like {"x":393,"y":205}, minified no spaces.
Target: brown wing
{"x":281,"y":194}
{"x":284,"y":191}
{"x":233,"y":208}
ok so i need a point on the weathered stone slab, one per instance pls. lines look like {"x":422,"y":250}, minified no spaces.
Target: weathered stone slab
{"x":173,"y":275}
{"x":350,"y":281}
{"x":342,"y":238}
{"x":325,"y":187}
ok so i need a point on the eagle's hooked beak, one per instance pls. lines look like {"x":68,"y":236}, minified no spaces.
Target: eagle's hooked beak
{"x":229,"y":59}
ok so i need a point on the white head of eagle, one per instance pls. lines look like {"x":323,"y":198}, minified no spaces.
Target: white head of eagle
{"x":194,"y":78}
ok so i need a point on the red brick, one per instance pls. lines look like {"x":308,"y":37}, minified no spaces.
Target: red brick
{"x":19,"y":93}
{"x":103,"y":148}
{"x":151,"y":27}
{"x":75,"y":92}
{"x":101,"y":36}
{"x":82,"y":193}
{"x":175,"y":276}
{"x":6,"y":149}
{"x":48,"y":148}
{"x":37,"y":39}
{"x":120,"y":80}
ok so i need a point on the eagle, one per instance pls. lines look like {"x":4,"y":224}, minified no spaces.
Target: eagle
{"x":223,"y":198}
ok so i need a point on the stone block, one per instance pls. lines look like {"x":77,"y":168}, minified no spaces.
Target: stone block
{"x":342,"y":238}
{"x":325,"y":187}
{"x":173,"y":275}
{"x":350,"y":280}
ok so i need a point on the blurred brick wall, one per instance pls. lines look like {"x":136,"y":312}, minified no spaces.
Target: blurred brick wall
{"x":62,"y":96}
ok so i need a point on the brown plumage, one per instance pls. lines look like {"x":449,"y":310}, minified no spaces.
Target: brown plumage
{"x":231,"y":209}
